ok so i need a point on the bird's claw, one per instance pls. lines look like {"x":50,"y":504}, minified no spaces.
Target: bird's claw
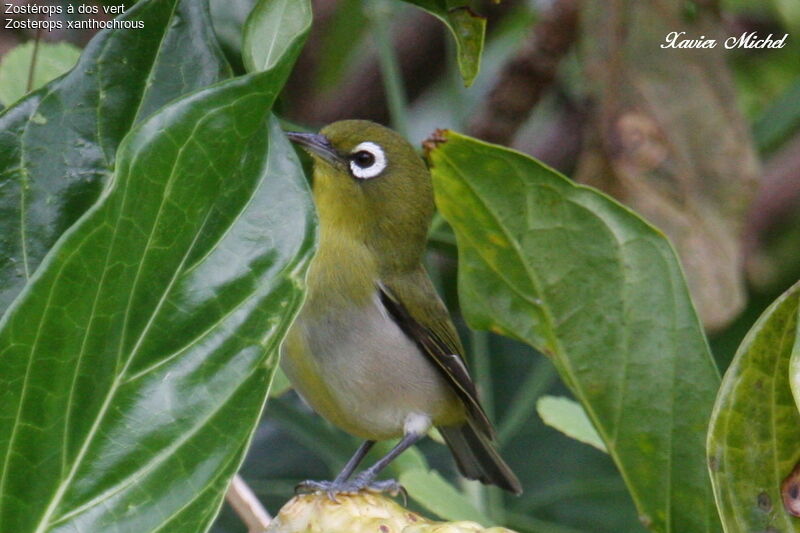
{"x":354,"y":486}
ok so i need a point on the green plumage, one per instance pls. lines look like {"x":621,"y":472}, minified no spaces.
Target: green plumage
{"x":374,"y":349}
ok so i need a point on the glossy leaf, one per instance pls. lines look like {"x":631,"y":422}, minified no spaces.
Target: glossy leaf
{"x":58,"y":145}
{"x":134,"y":365}
{"x":568,"y":417}
{"x":270,"y":29}
{"x":583,"y":279}
{"x":52,"y":60}
{"x":280,"y":384}
{"x":228,"y":18}
{"x":755,"y":428}
{"x":468,"y":30}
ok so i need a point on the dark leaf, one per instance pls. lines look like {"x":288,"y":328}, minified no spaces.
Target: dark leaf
{"x":58,"y":145}
{"x":468,"y":30}
{"x":134,"y":365}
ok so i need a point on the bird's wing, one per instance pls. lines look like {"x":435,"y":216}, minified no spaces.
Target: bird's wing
{"x":414,"y":305}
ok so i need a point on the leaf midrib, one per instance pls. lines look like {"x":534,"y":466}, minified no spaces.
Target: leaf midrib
{"x":560,"y":348}
{"x":64,"y":484}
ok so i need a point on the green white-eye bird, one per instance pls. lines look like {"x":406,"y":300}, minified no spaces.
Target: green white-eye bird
{"x":373,"y":349}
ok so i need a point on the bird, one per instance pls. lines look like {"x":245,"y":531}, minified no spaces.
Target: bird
{"x":373,"y":349}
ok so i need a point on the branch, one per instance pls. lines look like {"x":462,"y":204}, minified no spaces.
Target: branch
{"x":242,"y":499}
{"x":528,"y":74}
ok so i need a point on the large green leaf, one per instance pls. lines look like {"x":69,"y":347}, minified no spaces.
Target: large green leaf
{"x":135,"y":363}
{"x":755,"y":428}
{"x":583,"y":279}
{"x":468,"y":30}
{"x":58,"y":145}
{"x":18,"y":66}
{"x":269,"y":30}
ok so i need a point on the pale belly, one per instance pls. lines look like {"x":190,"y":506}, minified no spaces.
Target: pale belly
{"x":359,"y":370}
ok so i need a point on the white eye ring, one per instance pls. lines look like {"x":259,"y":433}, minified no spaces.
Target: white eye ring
{"x":374,"y":168}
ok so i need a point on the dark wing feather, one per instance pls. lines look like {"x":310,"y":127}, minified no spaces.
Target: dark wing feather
{"x":433,"y":332}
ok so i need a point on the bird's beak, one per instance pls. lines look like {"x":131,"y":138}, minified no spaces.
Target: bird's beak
{"x":317,"y":144}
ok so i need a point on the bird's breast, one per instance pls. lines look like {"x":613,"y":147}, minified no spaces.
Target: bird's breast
{"x":355,"y":366}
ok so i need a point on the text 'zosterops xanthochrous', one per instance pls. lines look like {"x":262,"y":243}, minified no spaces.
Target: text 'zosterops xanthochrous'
{"x":373,"y":349}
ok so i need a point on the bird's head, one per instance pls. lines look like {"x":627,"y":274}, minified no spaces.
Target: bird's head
{"x":370,"y":184}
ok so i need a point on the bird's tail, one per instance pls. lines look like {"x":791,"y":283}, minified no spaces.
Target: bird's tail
{"x":477,"y":457}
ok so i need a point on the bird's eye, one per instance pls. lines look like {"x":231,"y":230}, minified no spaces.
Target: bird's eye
{"x":367,"y":160}
{"x":363,"y":159}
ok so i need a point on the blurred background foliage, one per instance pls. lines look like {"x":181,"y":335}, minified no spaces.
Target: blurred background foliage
{"x":547,"y":88}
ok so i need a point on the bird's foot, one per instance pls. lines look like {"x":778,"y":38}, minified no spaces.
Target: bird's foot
{"x":352,"y":486}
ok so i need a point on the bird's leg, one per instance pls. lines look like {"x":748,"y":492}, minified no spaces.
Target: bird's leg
{"x":405,"y":443}
{"x":354,"y":461}
{"x":365,"y":479}
{"x":338,"y":484}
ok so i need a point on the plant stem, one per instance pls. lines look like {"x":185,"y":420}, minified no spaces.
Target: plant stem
{"x":454,"y":85}
{"x":483,"y":378}
{"x":539,"y":378}
{"x":245,"y":503}
{"x":380,"y":12}
{"x":34,"y":56}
